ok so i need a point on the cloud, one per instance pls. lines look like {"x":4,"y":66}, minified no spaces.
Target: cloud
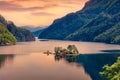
{"x":18,"y":5}
{"x":42,"y":14}
{"x":11,"y":6}
{"x":4,"y":4}
{"x":38,"y":12}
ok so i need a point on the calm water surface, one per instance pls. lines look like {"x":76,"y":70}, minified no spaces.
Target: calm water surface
{"x":26,"y":61}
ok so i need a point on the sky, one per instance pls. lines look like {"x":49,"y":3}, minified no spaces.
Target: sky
{"x":38,"y":12}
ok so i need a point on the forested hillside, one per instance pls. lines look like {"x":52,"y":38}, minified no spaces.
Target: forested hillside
{"x":95,"y":22}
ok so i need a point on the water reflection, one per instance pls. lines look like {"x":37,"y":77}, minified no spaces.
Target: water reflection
{"x":92,"y":63}
{"x":4,"y":58}
{"x":70,"y":58}
{"x":39,"y":67}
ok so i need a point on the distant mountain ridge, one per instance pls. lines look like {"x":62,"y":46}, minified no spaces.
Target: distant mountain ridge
{"x":39,"y":31}
{"x":95,"y":22}
{"x":32,"y":28}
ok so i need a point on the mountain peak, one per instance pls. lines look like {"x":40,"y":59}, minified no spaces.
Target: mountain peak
{"x":2,"y":20}
{"x":10,"y":22}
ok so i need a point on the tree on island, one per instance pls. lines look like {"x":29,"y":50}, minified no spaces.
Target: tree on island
{"x":71,"y":50}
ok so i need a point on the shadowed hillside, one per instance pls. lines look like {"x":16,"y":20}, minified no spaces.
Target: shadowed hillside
{"x":97,"y":18}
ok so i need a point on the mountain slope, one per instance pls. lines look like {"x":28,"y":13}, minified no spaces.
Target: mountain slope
{"x":95,"y":18}
{"x":5,"y":36}
{"x":63,"y":27}
{"x":97,"y":26}
{"x":112,"y":35}
{"x":19,"y":33}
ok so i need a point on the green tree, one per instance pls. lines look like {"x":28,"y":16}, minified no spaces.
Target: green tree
{"x":112,"y":72}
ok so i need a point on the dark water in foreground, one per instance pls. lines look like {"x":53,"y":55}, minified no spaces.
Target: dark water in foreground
{"x":26,"y":61}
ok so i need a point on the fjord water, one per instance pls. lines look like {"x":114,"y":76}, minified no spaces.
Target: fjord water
{"x":26,"y":61}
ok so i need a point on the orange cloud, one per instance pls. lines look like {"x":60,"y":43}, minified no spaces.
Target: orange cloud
{"x":38,"y":12}
{"x":10,"y":6}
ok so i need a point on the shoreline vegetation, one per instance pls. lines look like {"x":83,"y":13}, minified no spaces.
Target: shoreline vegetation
{"x":111,"y":72}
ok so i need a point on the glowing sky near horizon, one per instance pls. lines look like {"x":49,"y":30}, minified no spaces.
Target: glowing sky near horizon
{"x":38,"y":12}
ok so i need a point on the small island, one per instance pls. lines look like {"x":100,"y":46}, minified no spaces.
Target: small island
{"x":70,"y":53}
{"x":59,"y":51}
{"x":71,"y":50}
